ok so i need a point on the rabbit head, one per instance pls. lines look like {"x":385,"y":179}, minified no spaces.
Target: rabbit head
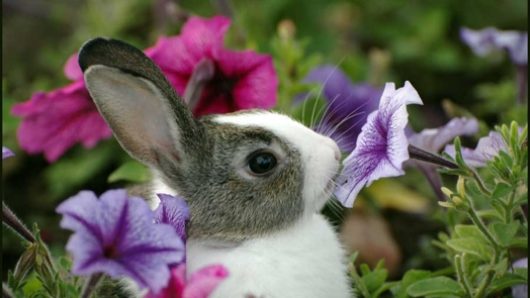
{"x":242,"y":174}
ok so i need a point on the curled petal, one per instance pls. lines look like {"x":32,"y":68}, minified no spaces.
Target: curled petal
{"x":382,"y":145}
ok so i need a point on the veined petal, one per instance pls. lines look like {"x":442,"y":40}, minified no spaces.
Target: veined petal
{"x":117,"y":235}
{"x":382,"y":145}
{"x":173,"y":211}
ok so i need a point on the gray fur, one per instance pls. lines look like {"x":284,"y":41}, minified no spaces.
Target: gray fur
{"x":203,"y":161}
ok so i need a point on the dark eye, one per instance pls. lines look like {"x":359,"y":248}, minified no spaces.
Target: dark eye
{"x":261,"y":162}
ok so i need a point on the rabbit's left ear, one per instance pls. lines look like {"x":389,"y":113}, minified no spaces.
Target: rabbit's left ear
{"x":147,"y":117}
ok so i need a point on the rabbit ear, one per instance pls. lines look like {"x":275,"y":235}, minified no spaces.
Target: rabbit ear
{"x":147,"y":117}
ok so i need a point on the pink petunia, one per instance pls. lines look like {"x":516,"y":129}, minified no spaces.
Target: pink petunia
{"x":241,"y":80}
{"x":199,"y":285}
{"x":54,"y":122}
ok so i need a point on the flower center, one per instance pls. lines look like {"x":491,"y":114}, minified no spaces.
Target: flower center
{"x":110,"y":252}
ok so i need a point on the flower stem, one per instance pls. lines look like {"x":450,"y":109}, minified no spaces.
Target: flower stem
{"x":423,"y":155}
{"x":480,"y":183}
{"x":202,"y":73}
{"x":482,"y":227}
{"x":90,"y":285}
{"x":460,"y":274}
{"x":11,"y":220}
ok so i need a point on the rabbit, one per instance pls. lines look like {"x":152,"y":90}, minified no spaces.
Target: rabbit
{"x":254,"y":180}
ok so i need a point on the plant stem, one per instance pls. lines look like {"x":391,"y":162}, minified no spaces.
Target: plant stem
{"x":90,"y":285}
{"x":426,"y":156}
{"x":480,"y":183}
{"x":11,"y":220}
{"x":489,"y":277}
{"x":482,"y":227}
{"x":461,"y":275}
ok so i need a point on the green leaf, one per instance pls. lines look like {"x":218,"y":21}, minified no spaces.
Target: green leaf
{"x":506,"y":281}
{"x":471,"y":246}
{"x":501,"y":190}
{"x":504,"y":233}
{"x":520,"y":242}
{"x":375,"y":279}
{"x":131,"y":171}
{"x":438,"y":286}
{"x":412,"y":276}
{"x":464,"y":231}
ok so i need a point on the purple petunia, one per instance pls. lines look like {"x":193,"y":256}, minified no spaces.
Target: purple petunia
{"x":382,"y":145}
{"x":348,"y":105}
{"x":117,"y":235}
{"x":6,"y":153}
{"x":173,"y":211}
{"x":433,"y":140}
{"x":487,"y":148}
{"x":487,"y":40}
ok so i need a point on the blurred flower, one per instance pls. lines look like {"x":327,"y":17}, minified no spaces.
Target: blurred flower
{"x":433,"y":140}
{"x":348,"y":105}
{"x":487,"y":148}
{"x":173,"y":211}
{"x":487,"y":40}
{"x":382,"y":145}
{"x":199,"y":285}
{"x":241,"y":79}
{"x":116,"y":235}
{"x":520,"y":291}
{"x":54,"y":122}
{"x":6,"y":153}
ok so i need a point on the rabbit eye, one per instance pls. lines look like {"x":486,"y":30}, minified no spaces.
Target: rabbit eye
{"x":261,"y":162}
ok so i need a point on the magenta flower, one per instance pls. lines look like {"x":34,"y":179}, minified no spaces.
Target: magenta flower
{"x":487,"y":148}
{"x":173,"y":211}
{"x":241,"y":79}
{"x":348,"y":105}
{"x":6,"y":153}
{"x":382,"y":145}
{"x":54,"y":122}
{"x":116,"y":235}
{"x":199,"y":285}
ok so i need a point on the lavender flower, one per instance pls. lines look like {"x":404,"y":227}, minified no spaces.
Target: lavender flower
{"x":382,"y":145}
{"x":433,"y":140}
{"x":348,"y":105}
{"x":487,"y":40}
{"x":116,"y":235}
{"x":6,"y":153}
{"x":487,"y":148}
{"x":173,"y":211}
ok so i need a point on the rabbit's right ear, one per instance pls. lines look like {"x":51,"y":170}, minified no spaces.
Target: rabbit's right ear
{"x":147,"y":117}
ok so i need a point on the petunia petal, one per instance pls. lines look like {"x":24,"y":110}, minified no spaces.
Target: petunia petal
{"x":434,"y":139}
{"x":117,"y":235}
{"x":382,"y":145}
{"x":487,"y":148}
{"x":173,"y":211}
{"x":54,"y":122}
{"x":72,"y":70}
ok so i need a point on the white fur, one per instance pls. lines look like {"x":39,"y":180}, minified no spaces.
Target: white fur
{"x":304,"y":260}
{"x":320,"y":154}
